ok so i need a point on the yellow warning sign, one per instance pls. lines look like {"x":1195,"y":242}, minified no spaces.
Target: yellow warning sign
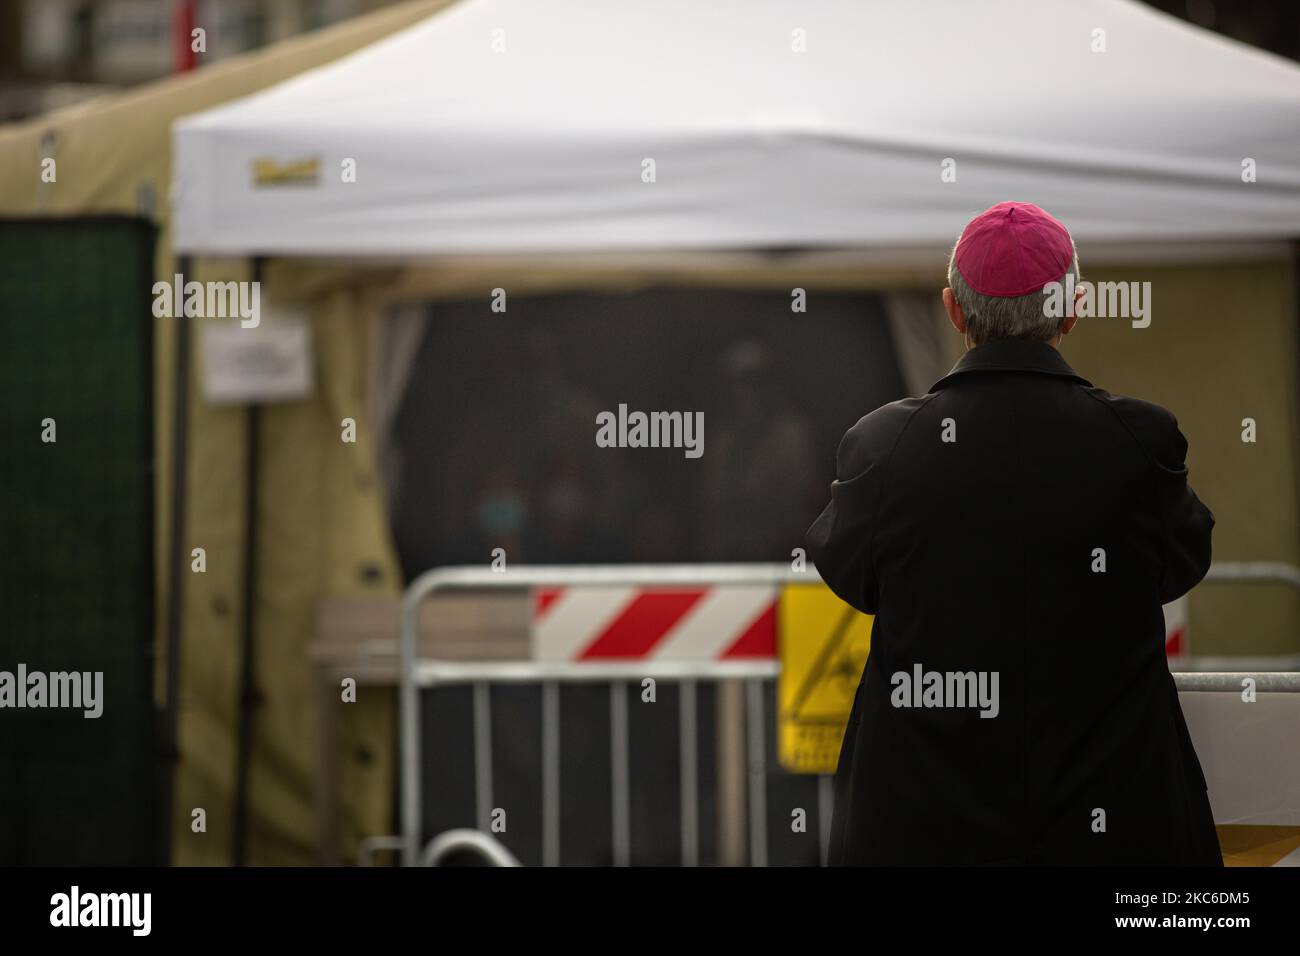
{"x":823,"y":646}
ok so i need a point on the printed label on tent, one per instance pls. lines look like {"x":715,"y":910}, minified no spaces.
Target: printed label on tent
{"x":271,"y":363}
{"x":823,"y":645}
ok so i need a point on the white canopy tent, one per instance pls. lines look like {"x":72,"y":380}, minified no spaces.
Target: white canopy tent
{"x":506,"y":126}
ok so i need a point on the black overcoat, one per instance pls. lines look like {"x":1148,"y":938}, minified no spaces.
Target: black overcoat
{"x":1016,"y":524}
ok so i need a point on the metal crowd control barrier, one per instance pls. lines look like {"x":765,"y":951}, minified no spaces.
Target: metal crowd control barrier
{"x":486,"y":848}
{"x":416,"y":674}
{"x":1229,"y":682}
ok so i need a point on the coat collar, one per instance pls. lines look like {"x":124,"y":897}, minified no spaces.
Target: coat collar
{"x":1012,"y":355}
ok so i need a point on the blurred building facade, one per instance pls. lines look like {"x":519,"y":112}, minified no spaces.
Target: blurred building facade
{"x":57,"y":52}
{"x":1272,"y":25}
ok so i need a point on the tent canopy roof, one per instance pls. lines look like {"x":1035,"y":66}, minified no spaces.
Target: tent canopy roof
{"x":511,"y":126}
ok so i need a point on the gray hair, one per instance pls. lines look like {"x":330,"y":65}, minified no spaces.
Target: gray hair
{"x":990,"y":317}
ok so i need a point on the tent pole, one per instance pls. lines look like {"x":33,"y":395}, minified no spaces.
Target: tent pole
{"x":1295,"y":328}
{"x":169,"y":756}
{"x":249,"y":697}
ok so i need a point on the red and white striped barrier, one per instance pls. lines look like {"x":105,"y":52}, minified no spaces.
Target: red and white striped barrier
{"x":669,"y":623}
{"x":586,"y":623}
{"x":1176,"y":628}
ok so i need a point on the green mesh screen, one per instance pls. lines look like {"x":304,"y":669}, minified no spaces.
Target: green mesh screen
{"x":76,"y":536}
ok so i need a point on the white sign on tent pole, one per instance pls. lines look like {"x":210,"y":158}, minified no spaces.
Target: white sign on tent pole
{"x":269,"y":363}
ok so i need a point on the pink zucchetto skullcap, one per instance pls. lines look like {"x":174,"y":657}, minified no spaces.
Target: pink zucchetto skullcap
{"x":1013,"y":249}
